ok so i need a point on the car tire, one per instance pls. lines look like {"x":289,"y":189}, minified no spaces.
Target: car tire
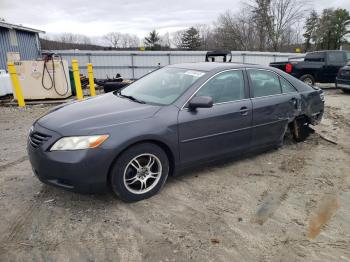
{"x":308,"y":79}
{"x":300,"y":129}
{"x":347,"y":91}
{"x":139,"y":172}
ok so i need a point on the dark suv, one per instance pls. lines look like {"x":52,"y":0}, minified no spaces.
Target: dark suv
{"x":343,"y":78}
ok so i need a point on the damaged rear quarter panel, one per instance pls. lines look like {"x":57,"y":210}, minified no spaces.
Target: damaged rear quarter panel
{"x":312,"y":105}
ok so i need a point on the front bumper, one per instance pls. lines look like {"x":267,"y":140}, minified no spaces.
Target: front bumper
{"x":83,"y":171}
{"x":342,"y":83}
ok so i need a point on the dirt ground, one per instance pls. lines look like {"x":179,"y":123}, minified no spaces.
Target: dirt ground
{"x":291,"y":204}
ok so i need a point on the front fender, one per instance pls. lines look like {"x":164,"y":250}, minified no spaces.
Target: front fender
{"x":160,"y":129}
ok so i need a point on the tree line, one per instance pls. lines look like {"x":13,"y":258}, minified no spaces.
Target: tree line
{"x":259,"y":25}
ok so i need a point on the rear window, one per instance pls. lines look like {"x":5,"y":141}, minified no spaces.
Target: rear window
{"x":286,"y":87}
{"x":336,"y":57}
{"x":264,"y":83}
{"x":315,"y":57}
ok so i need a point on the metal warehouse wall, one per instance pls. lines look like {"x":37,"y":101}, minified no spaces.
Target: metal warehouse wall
{"x":134,"y":64}
{"x":28,"y":46}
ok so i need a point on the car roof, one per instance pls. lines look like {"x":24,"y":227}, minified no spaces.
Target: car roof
{"x":217,"y":67}
{"x":209,"y":66}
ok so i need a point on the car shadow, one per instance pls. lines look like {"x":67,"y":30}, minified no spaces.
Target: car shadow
{"x":220,"y":163}
{"x":226,"y":160}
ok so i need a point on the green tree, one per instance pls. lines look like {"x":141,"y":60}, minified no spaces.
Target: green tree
{"x":339,"y":21}
{"x":191,"y":39}
{"x":310,"y":27}
{"x":331,"y":29}
{"x":152,"y":40}
{"x":261,"y":17}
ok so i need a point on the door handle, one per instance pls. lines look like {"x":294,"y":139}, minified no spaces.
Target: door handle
{"x":244,"y":110}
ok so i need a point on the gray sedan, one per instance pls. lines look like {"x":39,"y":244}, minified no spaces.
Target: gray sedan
{"x":177,"y":116}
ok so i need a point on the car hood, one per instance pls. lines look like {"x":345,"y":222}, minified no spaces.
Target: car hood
{"x":84,"y":117}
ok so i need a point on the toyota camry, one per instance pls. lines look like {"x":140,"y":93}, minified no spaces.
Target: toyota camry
{"x":177,"y":116}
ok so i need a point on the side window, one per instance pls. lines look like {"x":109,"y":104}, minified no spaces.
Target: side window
{"x":225,"y":87}
{"x":315,"y":57}
{"x":264,"y":83}
{"x":286,"y":86}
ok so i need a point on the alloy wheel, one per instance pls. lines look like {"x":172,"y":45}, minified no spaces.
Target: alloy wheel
{"x":142,"y":173}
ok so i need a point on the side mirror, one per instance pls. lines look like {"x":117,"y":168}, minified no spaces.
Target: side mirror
{"x":200,"y":102}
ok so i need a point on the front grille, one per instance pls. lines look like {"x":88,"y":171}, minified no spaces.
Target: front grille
{"x":36,"y":139}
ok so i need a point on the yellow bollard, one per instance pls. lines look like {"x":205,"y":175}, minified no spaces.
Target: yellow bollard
{"x":15,"y":84}
{"x":76,"y":74}
{"x":91,"y":80}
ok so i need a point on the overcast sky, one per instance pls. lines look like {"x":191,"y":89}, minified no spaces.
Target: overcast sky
{"x":96,"y":18}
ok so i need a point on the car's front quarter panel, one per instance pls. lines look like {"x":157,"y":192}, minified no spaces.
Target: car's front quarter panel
{"x":87,"y":170}
{"x":81,"y":170}
{"x":162,"y":128}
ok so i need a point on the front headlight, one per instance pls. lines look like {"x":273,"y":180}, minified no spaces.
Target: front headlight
{"x":78,"y":142}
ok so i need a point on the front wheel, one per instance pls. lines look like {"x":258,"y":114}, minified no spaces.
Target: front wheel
{"x":139,"y":172}
{"x":347,"y":91}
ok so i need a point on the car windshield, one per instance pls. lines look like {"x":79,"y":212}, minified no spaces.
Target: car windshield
{"x":163,"y":86}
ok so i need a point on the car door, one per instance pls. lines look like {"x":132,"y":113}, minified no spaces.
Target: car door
{"x":223,"y":128}
{"x":315,"y":64}
{"x":272,"y":108}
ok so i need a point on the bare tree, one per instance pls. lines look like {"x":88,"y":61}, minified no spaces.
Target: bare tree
{"x":206,"y":35}
{"x":72,"y":38}
{"x":134,"y":41}
{"x":113,"y":39}
{"x":228,"y":33}
{"x":276,"y":18}
{"x":177,"y":38}
{"x":165,"y":40}
{"x":119,"y":40}
{"x":129,"y":41}
{"x":285,"y":14}
{"x":246,"y":31}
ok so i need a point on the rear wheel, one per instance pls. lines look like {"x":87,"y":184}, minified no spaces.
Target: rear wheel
{"x":347,"y":91}
{"x":300,"y":129}
{"x":140,"y":172}
{"x":308,"y":79}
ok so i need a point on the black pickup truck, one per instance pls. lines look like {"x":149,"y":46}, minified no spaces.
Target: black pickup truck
{"x":320,"y":66}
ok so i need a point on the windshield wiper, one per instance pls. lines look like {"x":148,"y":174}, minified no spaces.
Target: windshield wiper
{"x":131,"y":98}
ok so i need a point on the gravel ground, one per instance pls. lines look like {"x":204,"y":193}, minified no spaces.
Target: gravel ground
{"x":291,"y":204}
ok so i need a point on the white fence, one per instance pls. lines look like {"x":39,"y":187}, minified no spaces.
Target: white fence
{"x":134,"y":64}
